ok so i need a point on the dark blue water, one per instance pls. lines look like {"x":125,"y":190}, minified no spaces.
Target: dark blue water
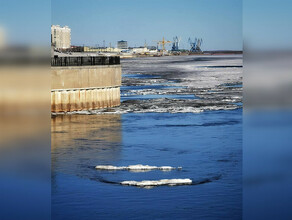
{"x":206,"y":145}
{"x":153,"y":86}
{"x":234,"y":86}
{"x":143,"y":76}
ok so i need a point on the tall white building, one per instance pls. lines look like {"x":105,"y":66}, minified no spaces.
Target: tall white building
{"x":60,"y":36}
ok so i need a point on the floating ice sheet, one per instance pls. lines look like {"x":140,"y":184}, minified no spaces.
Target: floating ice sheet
{"x":162,"y":182}
{"x":138,"y":167}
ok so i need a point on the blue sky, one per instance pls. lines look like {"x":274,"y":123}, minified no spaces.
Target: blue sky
{"x":218,"y":22}
{"x":267,"y":24}
{"x":26,"y":21}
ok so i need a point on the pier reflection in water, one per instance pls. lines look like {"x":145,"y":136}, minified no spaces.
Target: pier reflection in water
{"x":207,"y":146}
{"x":78,"y":138}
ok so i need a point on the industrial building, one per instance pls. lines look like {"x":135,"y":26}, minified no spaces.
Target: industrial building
{"x":101,"y":49}
{"x":60,"y":37}
{"x":122,"y":44}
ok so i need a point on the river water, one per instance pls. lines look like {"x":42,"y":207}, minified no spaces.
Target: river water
{"x":176,"y":111}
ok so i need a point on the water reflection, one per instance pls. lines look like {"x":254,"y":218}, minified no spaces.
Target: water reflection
{"x":79,"y":141}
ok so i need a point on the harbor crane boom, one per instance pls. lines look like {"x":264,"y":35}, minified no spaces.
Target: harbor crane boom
{"x":196,"y":45}
{"x":163,"y":42}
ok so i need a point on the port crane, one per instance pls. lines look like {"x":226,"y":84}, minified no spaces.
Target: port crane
{"x":145,"y":44}
{"x":163,"y":42}
{"x":196,"y":45}
{"x":175,"y":44}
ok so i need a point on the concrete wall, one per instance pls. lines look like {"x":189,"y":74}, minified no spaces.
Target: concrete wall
{"x":85,"y":87}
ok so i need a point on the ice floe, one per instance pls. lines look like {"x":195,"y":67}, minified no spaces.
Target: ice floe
{"x":208,"y":78}
{"x":138,"y":167}
{"x":162,"y":182}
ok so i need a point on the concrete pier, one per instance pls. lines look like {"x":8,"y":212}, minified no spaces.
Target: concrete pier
{"x":75,"y":88}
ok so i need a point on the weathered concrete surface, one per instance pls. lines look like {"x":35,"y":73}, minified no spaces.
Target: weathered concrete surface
{"x":85,"y":87}
{"x":84,"y":99}
{"x":73,"y":77}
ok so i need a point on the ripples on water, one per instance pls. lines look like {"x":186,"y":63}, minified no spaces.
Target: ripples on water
{"x":206,"y":145}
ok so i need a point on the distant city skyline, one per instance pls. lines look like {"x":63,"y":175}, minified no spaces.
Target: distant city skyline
{"x":96,"y":22}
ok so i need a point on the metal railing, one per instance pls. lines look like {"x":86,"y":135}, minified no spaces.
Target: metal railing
{"x":85,"y":61}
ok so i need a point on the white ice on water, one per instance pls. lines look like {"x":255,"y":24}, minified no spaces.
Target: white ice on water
{"x":162,"y":182}
{"x":138,"y":167}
